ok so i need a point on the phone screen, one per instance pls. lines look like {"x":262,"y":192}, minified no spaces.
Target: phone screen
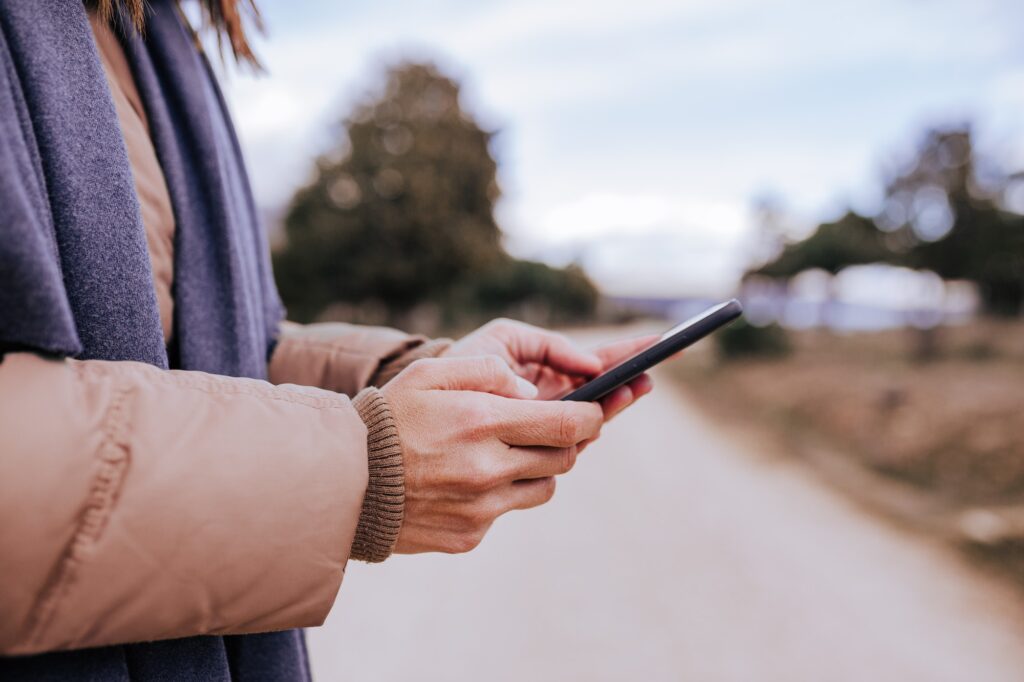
{"x":684,"y":334}
{"x":713,"y":310}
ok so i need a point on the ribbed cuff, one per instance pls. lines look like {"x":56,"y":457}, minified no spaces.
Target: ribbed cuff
{"x":384,"y":503}
{"x":389,"y":370}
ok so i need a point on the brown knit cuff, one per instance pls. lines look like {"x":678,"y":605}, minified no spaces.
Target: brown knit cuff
{"x":389,"y":370}
{"x":384,"y":503}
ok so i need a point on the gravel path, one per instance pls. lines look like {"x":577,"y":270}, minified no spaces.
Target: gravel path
{"x":671,"y":554}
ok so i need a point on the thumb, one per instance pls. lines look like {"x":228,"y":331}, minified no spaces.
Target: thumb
{"x":486,"y":373}
{"x":530,"y":344}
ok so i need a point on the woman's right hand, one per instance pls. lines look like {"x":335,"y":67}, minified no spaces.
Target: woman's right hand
{"x":475,"y":445}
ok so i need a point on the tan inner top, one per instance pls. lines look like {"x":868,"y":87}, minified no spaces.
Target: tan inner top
{"x":154,"y":200}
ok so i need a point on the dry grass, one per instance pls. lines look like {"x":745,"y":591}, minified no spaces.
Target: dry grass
{"x":952,"y":426}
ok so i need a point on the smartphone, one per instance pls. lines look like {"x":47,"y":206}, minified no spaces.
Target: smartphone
{"x":674,"y":340}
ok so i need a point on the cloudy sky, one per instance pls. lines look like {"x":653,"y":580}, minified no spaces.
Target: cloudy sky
{"x":635,"y":134}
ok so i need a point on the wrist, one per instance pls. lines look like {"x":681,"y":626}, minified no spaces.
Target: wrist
{"x":429,"y":349}
{"x":384,"y":502}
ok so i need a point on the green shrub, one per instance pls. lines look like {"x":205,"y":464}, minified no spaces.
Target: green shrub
{"x":742,"y":339}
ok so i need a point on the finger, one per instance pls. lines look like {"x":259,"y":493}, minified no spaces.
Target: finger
{"x":530,"y":493}
{"x":532,"y":344}
{"x":534,"y":462}
{"x":552,"y":385}
{"x":641,"y":386}
{"x":487,"y":374}
{"x":613,"y":353}
{"x":624,"y":396}
{"x":616,"y":402}
{"x":547,"y":423}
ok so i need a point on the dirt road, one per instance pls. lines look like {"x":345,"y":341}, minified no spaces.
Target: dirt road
{"x":669,"y":553}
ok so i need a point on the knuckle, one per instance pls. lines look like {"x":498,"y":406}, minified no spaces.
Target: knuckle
{"x":495,"y":373}
{"x":476,"y":538}
{"x":417,"y":369}
{"x":568,"y":428}
{"x":476,"y":418}
{"x":481,"y":476}
{"x":476,"y":480}
{"x":493,"y":365}
{"x":484,"y":513}
{"x":547,"y":490}
{"x":569,"y":458}
{"x":456,"y":544}
{"x":508,"y":324}
{"x":477,"y":431}
{"x":590,"y":420}
{"x":541,"y":492}
{"x":579,"y":423}
{"x":464,"y":542}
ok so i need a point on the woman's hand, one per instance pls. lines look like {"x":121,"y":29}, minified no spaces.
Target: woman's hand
{"x":624,"y":396}
{"x":552,"y":362}
{"x":474,"y":446}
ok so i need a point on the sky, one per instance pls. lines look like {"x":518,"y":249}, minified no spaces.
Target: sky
{"x":636,"y":135}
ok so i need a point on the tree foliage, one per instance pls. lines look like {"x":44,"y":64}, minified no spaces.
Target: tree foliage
{"x":942,"y":212}
{"x":851,"y":240}
{"x":401,"y":214}
{"x":945,"y":215}
{"x":744,"y":340}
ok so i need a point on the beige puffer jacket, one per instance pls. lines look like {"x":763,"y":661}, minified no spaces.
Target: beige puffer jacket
{"x":140,"y":504}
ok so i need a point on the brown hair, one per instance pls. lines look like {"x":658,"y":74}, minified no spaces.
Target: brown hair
{"x":224,"y":17}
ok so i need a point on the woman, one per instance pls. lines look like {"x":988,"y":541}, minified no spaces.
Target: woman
{"x":180,"y":468}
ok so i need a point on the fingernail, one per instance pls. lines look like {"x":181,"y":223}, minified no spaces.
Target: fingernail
{"x":526,"y":389}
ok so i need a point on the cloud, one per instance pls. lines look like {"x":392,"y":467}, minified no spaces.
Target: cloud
{"x":645,"y":244}
{"x":665,"y":262}
{"x":597,"y":215}
{"x":649,"y":124}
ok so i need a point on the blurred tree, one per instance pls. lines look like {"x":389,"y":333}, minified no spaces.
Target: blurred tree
{"x":405,"y":212}
{"x":402,"y":212}
{"x":851,"y":240}
{"x":942,"y":212}
{"x":558,"y":294}
{"x":744,"y":340}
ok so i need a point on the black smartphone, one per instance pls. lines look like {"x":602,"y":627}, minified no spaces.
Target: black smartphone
{"x":674,"y":340}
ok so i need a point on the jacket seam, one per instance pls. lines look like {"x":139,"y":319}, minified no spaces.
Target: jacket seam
{"x":340,"y":347}
{"x":215,"y":387}
{"x":113,"y":459}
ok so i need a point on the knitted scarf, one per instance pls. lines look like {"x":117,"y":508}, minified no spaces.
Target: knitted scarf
{"x":75,"y":277}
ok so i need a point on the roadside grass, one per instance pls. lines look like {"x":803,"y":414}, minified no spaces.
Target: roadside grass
{"x":937,"y":443}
